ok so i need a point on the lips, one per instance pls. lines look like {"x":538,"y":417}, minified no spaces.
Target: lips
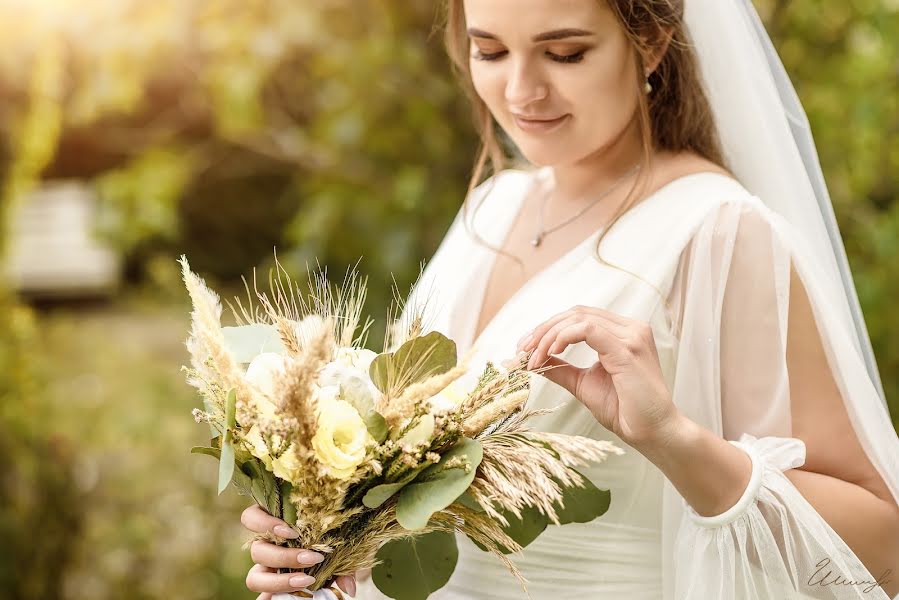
{"x":539,"y":125}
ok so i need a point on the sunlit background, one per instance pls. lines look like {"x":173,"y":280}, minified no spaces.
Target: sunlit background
{"x":133,"y":131}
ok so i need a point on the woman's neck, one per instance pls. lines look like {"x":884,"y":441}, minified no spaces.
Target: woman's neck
{"x":575,"y":183}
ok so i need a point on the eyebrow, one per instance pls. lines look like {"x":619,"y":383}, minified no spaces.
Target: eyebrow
{"x":557,"y":34}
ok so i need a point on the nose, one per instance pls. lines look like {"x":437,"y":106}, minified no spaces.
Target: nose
{"x":525,"y":85}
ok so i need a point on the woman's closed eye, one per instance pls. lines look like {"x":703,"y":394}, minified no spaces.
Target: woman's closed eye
{"x":562,"y":58}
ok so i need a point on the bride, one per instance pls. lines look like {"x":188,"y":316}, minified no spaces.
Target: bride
{"x":667,"y":258}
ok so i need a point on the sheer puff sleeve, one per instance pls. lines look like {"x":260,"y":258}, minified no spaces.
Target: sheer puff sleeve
{"x":766,"y":359}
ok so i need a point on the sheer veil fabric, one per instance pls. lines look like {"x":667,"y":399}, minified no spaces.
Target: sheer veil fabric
{"x":727,"y":256}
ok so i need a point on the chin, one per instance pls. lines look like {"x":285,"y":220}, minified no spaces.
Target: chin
{"x":544,"y":156}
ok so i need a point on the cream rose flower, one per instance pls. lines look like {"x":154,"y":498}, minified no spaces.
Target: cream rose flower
{"x":287,"y":466}
{"x":341,"y":438}
{"x":257,"y":446}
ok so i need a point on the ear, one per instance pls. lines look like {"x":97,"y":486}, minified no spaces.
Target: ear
{"x":656,"y":49}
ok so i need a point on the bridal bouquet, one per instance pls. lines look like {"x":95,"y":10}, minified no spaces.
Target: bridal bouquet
{"x":376,"y":460}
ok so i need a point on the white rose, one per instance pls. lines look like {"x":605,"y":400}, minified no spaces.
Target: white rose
{"x":355,"y":385}
{"x":358,"y":358}
{"x":261,"y":375}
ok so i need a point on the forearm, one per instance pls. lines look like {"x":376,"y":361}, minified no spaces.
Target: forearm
{"x":869,"y":525}
{"x":711,"y":475}
{"x":706,"y":470}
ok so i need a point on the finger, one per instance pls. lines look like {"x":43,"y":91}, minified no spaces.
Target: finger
{"x":263,"y":579}
{"x":604,"y":335}
{"x":529,"y":341}
{"x":563,"y":373}
{"x":273,"y":556}
{"x":257,"y":520}
{"x":347,"y":583}
{"x":616,"y":322}
{"x":546,"y":338}
{"x":265,"y":596}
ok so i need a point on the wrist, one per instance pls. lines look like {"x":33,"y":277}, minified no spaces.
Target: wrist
{"x":674,"y":434}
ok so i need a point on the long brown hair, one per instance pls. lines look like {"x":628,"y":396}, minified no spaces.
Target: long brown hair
{"x":675,"y":117}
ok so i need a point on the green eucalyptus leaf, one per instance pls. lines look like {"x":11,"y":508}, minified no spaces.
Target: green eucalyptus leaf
{"x":263,"y":485}
{"x":230,"y":412}
{"x":226,"y":460}
{"x":582,"y":505}
{"x":415,"y":567}
{"x":249,"y":341}
{"x":226,"y":466}
{"x":379,"y":494}
{"x":406,"y":365}
{"x":376,"y":425}
{"x":466,"y":500}
{"x":288,"y":509}
{"x":524,"y":530}
{"x":217,"y":453}
{"x":437,"y":487}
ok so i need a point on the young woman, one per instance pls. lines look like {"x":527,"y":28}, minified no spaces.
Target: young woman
{"x":670,"y":251}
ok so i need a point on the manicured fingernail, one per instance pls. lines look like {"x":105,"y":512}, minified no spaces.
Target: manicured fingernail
{"x":285,"y":532}
{"x":308,"y":557}
{"x":301,"y":581}
{"x":351,"y":587}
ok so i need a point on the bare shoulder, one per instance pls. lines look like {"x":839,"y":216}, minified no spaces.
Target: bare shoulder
{"x":670,"y":166}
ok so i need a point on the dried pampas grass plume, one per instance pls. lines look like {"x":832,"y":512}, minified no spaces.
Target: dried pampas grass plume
{"x":207,"y":342}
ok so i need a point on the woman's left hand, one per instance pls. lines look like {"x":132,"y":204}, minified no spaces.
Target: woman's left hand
{"x":624,"y":389}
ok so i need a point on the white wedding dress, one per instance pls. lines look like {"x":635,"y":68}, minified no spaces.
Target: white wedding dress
{"x":722,"y":258}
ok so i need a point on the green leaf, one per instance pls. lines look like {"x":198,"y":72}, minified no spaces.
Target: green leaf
{"x":379,"y":494}
{"x":249,"y":341}
{"x":524,"y":530}
{"x":263,"y":486}
{"x":437,"y":487}
{"x":288,"y":510}
{"x":230,"y":412}
{"x":376,"y":424}
{"x":226,"y":461}
{"x":205,"y":450}
{"x":415,"y":567}
{"x":226,"y":466}
{"x":582,"y":505}
{"x":466,"y":500}
{"x":406,"y":365}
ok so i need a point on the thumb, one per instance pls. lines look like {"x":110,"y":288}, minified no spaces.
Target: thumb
{"x":562,"y":373}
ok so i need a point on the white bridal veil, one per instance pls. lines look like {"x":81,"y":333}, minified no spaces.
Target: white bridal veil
{"x":773,"y":535}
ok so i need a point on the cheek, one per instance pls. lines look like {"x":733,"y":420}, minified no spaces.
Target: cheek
{"x":489,"y":85}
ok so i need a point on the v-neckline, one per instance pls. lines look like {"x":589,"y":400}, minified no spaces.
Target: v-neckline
{"x":565,"y":257}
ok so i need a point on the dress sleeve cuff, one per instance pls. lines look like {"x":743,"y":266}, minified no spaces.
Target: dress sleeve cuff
{"x":770,"y":457}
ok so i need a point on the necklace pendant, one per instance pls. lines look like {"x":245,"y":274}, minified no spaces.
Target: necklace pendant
{"x":537,"y":240}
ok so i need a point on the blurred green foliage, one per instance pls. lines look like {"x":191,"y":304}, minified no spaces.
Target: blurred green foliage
{"x":223,"y":128}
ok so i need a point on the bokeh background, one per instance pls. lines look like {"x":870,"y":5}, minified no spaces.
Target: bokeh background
{"x":132,"y":132}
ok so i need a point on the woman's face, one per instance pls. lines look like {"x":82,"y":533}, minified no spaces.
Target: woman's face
{"x":523,"y":64}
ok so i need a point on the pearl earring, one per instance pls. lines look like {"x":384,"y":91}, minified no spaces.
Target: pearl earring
{"x":647,"y":87}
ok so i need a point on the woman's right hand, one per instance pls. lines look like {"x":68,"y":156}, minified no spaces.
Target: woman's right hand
{"x":263,"y":576}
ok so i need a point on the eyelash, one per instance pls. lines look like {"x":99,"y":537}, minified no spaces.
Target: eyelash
{"x":569,"y":58}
